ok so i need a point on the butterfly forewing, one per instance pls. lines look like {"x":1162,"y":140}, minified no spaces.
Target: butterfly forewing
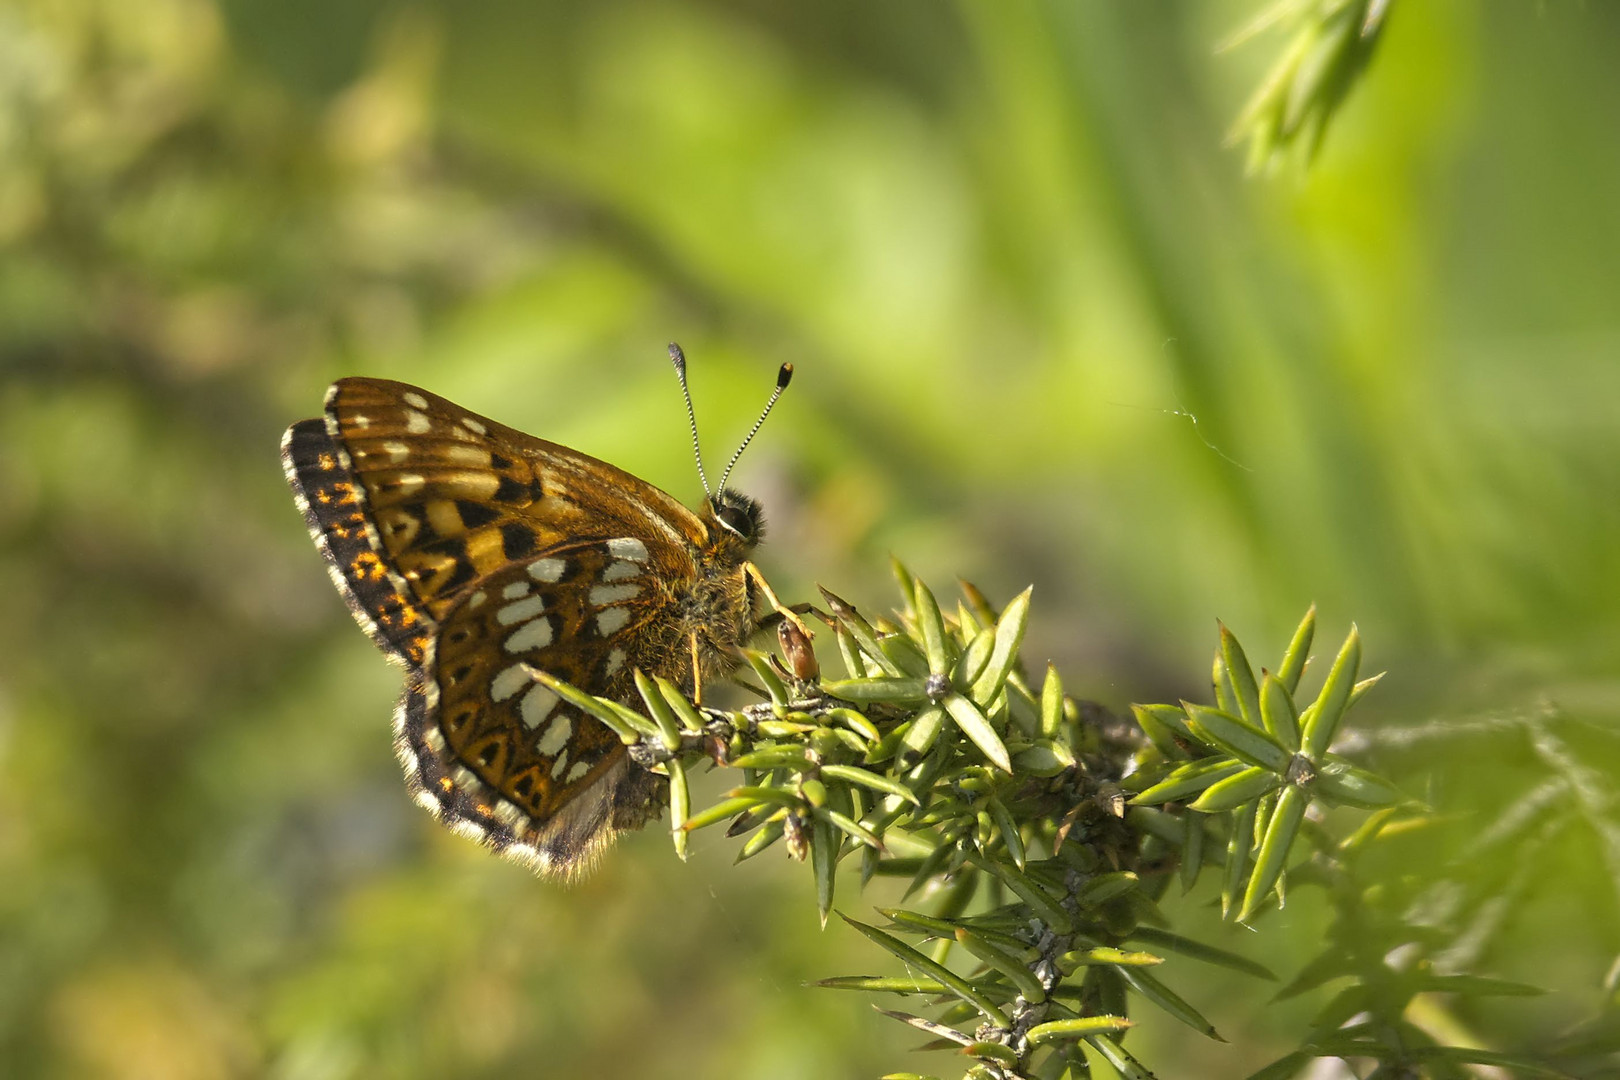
{"x":473,"y":552}
{"x":333,"y":500}
{"x":455,"y":496}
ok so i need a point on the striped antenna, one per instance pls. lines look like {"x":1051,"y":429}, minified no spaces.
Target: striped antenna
{"x":678,"y":358}
{"x":783,"y":377}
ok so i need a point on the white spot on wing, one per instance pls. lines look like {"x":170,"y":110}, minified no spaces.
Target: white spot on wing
{"x":556,"y":735}
{"x":535,"y":634}
{"x":476,"y":599}
{"x":559,"y":765}
{"x":415,"y":400}
{"x":520,"y":610}
{"x":622,"y":568}
{"x":529,"y":855}
{"x":417,"y":423}
{"x":627,"y":547}
{"x":515,"y":590}
{"x":434,"y":738}
{"x":537,"y":705}
{"x":396,"y":451}
{"x":615,"y":661}
{"x":474,"y":426}
{"x":603,"y":595}
{"x":509,"y":682}
{"x":611,"y":620}
{"x":548,"y":570}
{"x":580,"y":769}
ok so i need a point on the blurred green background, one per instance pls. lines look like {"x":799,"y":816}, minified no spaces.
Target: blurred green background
{"x":1045,"y":330}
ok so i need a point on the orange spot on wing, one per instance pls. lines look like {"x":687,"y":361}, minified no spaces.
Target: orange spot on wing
{"x":367,"y":566}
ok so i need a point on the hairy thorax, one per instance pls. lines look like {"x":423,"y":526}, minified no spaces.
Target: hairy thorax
{"x":718,"y":613}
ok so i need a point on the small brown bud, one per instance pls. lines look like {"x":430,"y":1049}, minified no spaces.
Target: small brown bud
{"x":796,"y":650}
{"x":795,"y":831}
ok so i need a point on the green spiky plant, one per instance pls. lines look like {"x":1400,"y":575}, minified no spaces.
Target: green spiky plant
{"x":1037,"y":834}
{"x":1332,"y":43}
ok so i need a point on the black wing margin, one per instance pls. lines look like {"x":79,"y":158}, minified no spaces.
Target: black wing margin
{"x":334,"y":505}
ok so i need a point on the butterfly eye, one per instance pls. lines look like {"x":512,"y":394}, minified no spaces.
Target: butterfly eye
{"x":736,"y":520}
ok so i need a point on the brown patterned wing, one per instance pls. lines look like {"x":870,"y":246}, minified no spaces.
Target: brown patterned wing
{"x":333,"y":500}
{"x":453,"y":497}
{"x":499,"y":756}
{"x":467,"y":549}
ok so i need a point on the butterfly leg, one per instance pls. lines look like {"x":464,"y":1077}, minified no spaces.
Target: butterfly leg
{"x":769,"y":622}
{"x":697,"y":683}
{"x":786,"y":611}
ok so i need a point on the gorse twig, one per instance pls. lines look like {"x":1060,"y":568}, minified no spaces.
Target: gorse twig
{"x":1037,"y":834}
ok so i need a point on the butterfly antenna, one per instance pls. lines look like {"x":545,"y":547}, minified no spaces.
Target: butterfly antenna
{"x":783,"y":377}
{"x":678,"y":358}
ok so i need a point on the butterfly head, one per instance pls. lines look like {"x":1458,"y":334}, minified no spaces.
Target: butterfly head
{"x":734,"y":518}
{"x":736,"y":524}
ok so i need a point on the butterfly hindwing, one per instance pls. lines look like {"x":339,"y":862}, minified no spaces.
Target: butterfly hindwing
{"x":499,"y":753}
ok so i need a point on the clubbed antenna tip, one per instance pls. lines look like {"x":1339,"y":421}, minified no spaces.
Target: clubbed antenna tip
{"x":784,"y":375}
{"x":678,"y":358}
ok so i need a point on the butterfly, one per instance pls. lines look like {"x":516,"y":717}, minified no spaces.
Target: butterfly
{"x":472,"y":554}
